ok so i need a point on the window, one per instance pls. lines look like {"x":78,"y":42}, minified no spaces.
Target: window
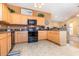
{"x":26,"y":11}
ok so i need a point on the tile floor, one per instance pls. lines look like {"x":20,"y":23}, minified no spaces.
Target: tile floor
{"x":45,"y":48}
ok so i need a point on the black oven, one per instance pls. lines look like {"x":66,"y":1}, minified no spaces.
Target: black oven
{"x":32,"y":32}
{"x":32,"y":35}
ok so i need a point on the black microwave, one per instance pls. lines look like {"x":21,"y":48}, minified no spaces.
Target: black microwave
{"x":32,"y":22}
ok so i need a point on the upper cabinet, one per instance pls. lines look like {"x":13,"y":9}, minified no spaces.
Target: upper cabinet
{"x":0,"y":11}
{"x":22,"y":19}
{"x":40,"y":21}
{"x":42,"y":14}
{"x":6,"y":13}
{"x":14,"y":9}
{"x":19,"y":15}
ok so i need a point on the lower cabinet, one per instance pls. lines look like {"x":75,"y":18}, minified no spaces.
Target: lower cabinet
{"x":9,"y":42}
{"x":42,"y":35}
{"x":3,"y":47}
{"x":49,"y":35}
{"x":5,"y":44}
{"x":21,"y":36}
{"x":54,"y":36}
{"x":58,"y":37}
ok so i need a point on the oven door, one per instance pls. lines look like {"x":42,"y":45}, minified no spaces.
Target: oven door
{"x":32,"y":30}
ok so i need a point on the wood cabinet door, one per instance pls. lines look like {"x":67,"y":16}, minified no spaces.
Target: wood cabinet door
{"x":54,"y":36}
{"x":9,"y":41}
{"x":6,"y":13}
{"x":49,"y":35}
{"x":16,"y":37}
{"x":5,"y":43}
{"x":21,"y":36}
{"x":0,"y":11}
{"x":40,"y":21}
{"x":24,"y":36}
{"x":18,"y":19}
{"x":15,"y":19}
{"x":3,"y":47}
{"x":42,"y":35}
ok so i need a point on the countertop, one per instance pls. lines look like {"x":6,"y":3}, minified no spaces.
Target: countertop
{"x":52,"y":30}
{"x":1,"y":32}
{"x":11,"y":30}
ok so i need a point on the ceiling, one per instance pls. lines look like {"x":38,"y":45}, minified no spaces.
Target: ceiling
{"x":61,"y":11}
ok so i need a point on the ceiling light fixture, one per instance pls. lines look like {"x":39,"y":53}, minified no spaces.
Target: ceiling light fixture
{"x":77,"y":15}
{"x":38,"y":5}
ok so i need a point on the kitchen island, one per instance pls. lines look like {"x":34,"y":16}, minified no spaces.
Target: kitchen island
{"x":57,"y":36}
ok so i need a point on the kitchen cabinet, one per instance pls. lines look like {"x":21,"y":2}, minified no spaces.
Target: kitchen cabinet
{"x":58,"y":37}
{"x":5,"y":44}
{"x":21,"y":36}
{"x":6,"y":13}
{"x":9,"y":41}
{"x":0,"y":11}
{"x":22,"y":19}
{"x":54,"y":36}
{"x":42,"y":35}
{"x":41,"y":21}
{"x":17,"y":19}
{"x":49,"y":35}
{"x":3,"y":47}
